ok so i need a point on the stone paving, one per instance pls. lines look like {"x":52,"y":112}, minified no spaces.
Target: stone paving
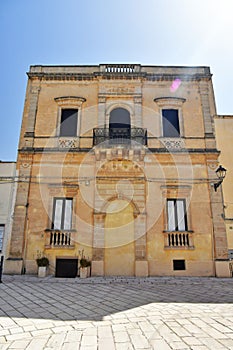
{"x":116,"y":313}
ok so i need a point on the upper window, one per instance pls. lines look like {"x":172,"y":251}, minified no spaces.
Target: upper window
{"x":176,"y":215}
{"x":119,"y":125}
{"x":171,"y":126}
{"x":69,"y":121}
{"x":62,"y":214}
{"x":172,"y":123}
{"x":2,"y":228}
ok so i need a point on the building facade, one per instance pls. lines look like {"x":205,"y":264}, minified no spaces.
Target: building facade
{"x":224,"y":138}
{"x":117,"y":163}
{"x":7,"y":200}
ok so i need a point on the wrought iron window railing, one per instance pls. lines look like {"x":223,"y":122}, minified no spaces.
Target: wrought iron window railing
{"x":118,"y":136}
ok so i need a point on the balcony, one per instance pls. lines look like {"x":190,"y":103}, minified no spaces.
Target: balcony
{"x":178,"y":240}
{"x":120,"y":68}
{"x":59,"y":239}
{"x":119,"y":136}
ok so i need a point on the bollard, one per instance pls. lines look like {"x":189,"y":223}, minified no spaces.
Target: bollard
{"x":1,"y":268}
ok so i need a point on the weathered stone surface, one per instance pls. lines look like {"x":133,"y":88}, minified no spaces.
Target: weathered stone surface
{"x":119,"y":189}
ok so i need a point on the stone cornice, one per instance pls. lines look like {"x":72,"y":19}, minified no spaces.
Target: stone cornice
{"x":28,"y":150}
{"x":223,"y":117}
{"x":143,"y":76}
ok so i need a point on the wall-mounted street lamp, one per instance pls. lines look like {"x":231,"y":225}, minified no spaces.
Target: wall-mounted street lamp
{"x":221,"y":173}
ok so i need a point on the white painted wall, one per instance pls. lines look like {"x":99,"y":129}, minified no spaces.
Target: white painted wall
{"x":7,"y":200}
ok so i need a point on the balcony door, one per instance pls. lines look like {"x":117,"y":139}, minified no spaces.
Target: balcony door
{"x":119,"y":126}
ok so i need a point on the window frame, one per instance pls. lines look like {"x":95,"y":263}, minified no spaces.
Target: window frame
{"x":179,"y":265}
{"x":178,"y":122}
{"x":115,"y":105}
{"x":176,"y":214}
{"x":171,"y":103}
{"x":63,"y":212}
{"x":69,"y":102}
{"x":77,"y":121}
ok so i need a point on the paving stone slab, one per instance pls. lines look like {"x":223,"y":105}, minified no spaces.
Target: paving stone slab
{"x":116,"y":313}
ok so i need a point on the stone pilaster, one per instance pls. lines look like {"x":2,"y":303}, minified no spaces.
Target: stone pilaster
{"x":14,"y":262}
{"x":140,"y":237}
{"x":141,"y":263}
{"x":98,"y":245}
{"x":219,"y":229}
{"x":98,"y":237}
{"x":31,"y":120}
{"x":21,"y":206}
{"x":208,"y":119}
{"x":138,"y":111}
{"x":101,"y":111}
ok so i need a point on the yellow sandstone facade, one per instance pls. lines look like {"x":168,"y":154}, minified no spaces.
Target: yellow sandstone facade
{"x":224,"y":138}
{"x":117,"y":163}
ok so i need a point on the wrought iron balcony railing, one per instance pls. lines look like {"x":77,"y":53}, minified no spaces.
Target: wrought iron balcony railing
{"x":119,"y":136}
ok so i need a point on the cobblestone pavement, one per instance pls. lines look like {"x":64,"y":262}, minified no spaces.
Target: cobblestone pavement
{"x":116,"y":313}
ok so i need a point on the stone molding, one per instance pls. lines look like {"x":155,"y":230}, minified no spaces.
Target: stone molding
{"x":116,"y":76}
{"x":169,"y":101}
{"x":69,"y":101}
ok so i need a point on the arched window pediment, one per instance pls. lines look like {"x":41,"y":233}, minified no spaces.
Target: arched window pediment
{"x":64,"y":101}
{"x":170,"y":101}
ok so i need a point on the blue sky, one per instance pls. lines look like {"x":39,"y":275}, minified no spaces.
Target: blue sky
{"x":157,"y":32}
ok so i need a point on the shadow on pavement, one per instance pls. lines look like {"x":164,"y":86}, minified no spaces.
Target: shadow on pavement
{"x":97,"y":299}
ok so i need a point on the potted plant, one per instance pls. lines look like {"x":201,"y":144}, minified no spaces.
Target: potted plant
{"x":85,"y":268}
{"x":42,"y":264}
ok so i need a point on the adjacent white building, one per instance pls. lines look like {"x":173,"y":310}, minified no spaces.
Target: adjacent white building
{"x":8,"y":186}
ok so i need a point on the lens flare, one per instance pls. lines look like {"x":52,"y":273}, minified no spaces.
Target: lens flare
{"x":175,"y":85}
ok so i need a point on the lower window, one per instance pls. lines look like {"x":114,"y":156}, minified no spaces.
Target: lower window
{"x":62,"y":214}
{"x":176,"y":215}
{"x":178,"y":265}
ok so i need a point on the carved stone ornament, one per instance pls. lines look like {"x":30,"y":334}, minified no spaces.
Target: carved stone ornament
{"x":119,"y":90}
{"x":35,"y":89}
{"x":138,"y":99}
{"x":212,"y":165}
{"x":25,"y":159}
{"x":67,"y":143}
{"x":173,"y":143}
{"x":102,"y":99}
{"x":25,"y":165}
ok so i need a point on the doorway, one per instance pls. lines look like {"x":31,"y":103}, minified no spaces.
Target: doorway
{"x":66,"y":268}
{"x":119,"y":239}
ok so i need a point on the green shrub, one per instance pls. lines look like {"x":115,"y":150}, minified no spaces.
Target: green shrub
{"x":42,"y":261}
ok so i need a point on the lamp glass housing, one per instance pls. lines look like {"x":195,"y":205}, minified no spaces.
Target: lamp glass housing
{"x":221,"y":172}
